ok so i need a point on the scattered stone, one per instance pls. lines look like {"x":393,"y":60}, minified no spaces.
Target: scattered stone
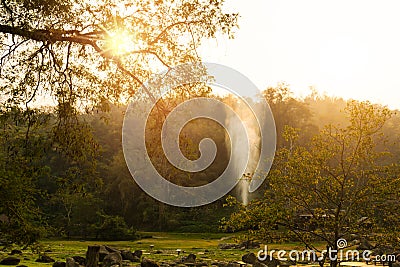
{"x":71,"y":263}
{"x":268,"y":261}
{"x":148,"y":263}
{"x":59,"y":264}
{"x":191,"y":258}
{"x":227,"y":246}
{"x":249,"y":244}
{"x":135,"y":259}
{"x":249,"y":258}
{"x":364,"y":245}
{"x":111,"y":259}
{"x":16,"y":252}
{"x":233,"y":264}
{"x":138,"y":253}
{"x":45,"y":259}
{"x":286,"y":264}
{"x":80,"y":260}
{"x":127,"y":255}
{"x":10,"y":261}
{"x":126,"y":263}
{"x":259,"y":264}
{"x":103,"y":252}
{"x":111,"y":250}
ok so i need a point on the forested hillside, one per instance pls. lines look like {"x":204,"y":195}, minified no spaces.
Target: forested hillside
{"x":74,"y":182}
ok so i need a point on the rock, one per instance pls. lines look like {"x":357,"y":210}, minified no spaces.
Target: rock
{"x":138,"y":253}
{"x":158,"y":252}
{"x":127,"y":255}
{"x":227,"y":246}
{"x":249,"y":244}
{"x":59,"y":264}
{"x":126,"y":263}
{"x":222,"y":264}
{"x":148,"y":263}
{"x":80,"y":260}
{"x":268,"y":261}
{"x":286,"y":264}
{"x":10,"y":261}
{"x":259,"y":264}
{"x":71,"y":263}
{"x":364,"y":245}
{"x":191,"y":258}
{"x":16,"y":252}
{"x":45,"y":259}
{"x":249,"y":258}
{"x":111,"y":250}
{"x":103,"y":252}
{"x":111,"y":259}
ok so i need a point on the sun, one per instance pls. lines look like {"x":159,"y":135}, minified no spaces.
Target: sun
{"x":119,"y":43}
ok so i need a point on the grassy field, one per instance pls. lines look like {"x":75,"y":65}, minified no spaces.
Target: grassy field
{"x":204,"y":245}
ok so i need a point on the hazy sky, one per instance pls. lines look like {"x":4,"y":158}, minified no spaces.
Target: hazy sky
{"x":348,"y":48}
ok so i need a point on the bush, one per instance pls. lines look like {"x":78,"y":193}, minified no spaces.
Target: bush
{"x":114,"y":228}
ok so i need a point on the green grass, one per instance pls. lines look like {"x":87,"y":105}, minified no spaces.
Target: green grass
{"x":204,"y":245}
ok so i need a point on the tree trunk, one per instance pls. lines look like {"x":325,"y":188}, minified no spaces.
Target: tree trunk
{"x":92,"y":256}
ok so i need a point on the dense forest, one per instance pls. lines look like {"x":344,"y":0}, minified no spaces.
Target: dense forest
{"x":70,"y":180}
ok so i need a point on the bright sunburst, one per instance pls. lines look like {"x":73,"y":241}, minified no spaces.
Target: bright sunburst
{"x":119,"y":43}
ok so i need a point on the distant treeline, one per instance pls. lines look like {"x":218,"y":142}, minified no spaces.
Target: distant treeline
{"x":69,"y":178}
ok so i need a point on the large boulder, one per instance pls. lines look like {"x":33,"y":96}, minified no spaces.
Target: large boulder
{"x":148,"y":263}
{"x":112,"y":259}
{"x":10,"y":261}
{"x":249,"y":258}
{"x":59,"y":264}
{"x":45,"y":259}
